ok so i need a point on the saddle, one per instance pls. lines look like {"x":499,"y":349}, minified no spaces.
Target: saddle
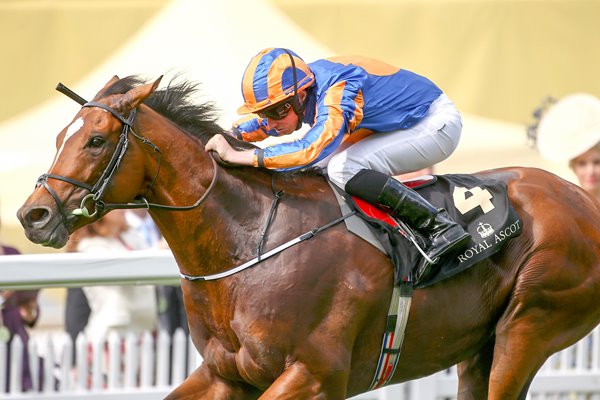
{"x":480,"y":206}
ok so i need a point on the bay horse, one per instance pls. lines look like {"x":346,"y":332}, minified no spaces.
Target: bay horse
{"x":307,"y":323}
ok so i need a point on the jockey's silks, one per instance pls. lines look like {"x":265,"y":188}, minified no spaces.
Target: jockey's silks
{"x":349,"y":94}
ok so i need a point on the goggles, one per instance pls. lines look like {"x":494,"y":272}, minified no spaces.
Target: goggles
{"x":276,"y":112}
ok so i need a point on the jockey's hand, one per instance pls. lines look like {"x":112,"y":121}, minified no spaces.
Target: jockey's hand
{"x":219,"y":145}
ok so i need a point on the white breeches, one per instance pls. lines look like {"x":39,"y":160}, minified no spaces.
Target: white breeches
{"x":429,"y":142}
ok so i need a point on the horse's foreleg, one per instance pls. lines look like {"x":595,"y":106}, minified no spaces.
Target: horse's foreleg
{"x":474,"y":374}
{"x":202,"y":384}
{"x":297,"y":382}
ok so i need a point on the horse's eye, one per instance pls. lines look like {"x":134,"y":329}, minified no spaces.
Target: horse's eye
{"x":96,"y":142}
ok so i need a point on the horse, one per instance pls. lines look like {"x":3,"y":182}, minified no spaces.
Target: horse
{"x":307,"y":322}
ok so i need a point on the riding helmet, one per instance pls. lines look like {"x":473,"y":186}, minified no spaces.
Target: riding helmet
{"x":272,"y":76}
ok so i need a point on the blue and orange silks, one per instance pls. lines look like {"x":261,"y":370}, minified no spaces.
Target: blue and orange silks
{"x":350,"y":94}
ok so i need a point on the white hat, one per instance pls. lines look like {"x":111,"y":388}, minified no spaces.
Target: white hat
{"x":569,"y":128}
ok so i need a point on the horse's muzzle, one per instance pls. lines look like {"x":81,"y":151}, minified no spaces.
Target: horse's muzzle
{"x":43,"y":225}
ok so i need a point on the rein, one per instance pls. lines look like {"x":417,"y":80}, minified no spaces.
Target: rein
{"x":98,"y":189}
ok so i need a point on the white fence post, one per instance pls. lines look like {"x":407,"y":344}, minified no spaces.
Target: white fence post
{"x":82,"y":366}
{"x":595,"y":349}
{"x":3,"y":366}
{"x":147,"y":360}
{"x":163,"y":351}
{"x":16,"y":364}
{"x":114,"y":361}
{"x":34,"y":365}
{"x":49,"y":364}
{"x":65,"y":380}
{"x":97,"y":361}
{"x":179,"y":356}
{"x":130,"y":360}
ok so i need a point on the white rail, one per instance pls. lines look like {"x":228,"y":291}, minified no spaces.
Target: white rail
{"x":143,"y":267}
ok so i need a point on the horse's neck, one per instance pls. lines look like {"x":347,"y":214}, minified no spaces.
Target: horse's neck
{"x":206,"y":238}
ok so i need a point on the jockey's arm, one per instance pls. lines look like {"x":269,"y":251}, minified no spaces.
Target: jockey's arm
{"x":251,"y":129}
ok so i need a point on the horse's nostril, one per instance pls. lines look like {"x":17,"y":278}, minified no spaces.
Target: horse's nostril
{"x":38,"y":216}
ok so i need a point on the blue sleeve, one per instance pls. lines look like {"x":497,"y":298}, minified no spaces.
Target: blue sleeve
{"x":252,"y":130}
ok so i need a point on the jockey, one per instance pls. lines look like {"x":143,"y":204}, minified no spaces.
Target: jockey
{"x":368,"y":121}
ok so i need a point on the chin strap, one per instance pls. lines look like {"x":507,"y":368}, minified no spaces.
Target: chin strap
{"x":298,"y":106}
{"x":300,"y":112}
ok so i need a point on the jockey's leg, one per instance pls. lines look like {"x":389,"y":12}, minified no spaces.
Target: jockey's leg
{"x":385,"y":192}
{"x":365,"y":168}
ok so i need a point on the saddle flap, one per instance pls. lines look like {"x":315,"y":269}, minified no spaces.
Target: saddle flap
{"x":420,"y":181}
{"x":374,"y":212}
{"x":481,"y":206}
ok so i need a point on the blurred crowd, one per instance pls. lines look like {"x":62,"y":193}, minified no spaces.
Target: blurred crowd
{"x":568,"y":131}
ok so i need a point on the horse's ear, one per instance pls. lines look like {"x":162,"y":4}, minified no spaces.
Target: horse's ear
{"x":100,"y":94}
{"x":137,"y":95}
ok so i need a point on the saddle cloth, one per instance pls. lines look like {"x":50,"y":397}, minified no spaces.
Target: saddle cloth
{"x":480,"y":206}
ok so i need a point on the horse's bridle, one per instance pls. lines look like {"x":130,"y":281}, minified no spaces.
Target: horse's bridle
{"x":97,"y":191}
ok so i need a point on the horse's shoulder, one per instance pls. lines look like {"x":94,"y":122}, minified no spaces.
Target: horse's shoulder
{"x":309,"y":186}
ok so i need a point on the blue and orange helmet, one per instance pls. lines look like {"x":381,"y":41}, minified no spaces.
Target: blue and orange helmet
{"x":272,"y":76}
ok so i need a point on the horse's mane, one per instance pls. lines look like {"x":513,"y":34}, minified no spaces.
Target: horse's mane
{"x":175,"y":103}
{"x":198,"y":120}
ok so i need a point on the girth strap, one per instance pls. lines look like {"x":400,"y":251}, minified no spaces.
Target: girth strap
{"x":262,"y":257}
{"x":393,"y":336}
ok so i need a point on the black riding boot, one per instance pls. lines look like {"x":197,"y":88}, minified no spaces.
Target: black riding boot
{"x":443,"y":234}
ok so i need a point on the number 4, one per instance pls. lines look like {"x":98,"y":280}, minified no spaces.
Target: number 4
{"x":479,"y":198}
